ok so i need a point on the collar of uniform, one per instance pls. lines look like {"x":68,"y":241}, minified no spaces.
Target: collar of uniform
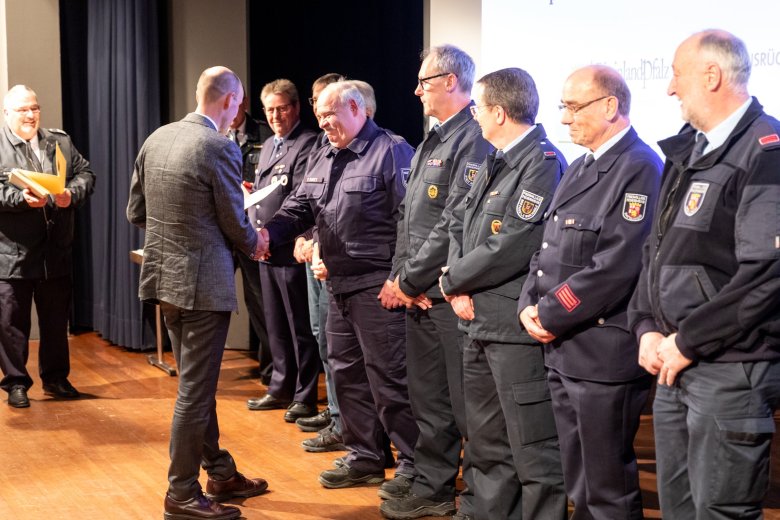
{"x":678,"y":148}
{"x":454,"y":123}
{"x":519,"y":150}
{"x":609,"y":156}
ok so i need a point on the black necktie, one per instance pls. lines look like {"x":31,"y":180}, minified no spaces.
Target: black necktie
{"x":35,"y":164}
{"x":586,"y":164}
{"x":698,"y":148}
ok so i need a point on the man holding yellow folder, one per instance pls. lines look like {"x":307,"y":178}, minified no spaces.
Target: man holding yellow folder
{"x":36,"y":238}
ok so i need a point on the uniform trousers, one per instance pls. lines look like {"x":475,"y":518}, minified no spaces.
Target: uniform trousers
{"x":514,"y":445}
{"x":52,"y":302}
{"x":434,"y":363}
{"x":198,"y":341}
{"x":318,"y":314}
{"x":253,"y":298}
{"x":367,"y":355}
{"x":293,"y":347}
{"x":597,"y":423}
{"x":713,"y":437}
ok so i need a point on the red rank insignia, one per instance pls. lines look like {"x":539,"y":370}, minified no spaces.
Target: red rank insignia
{"x":768,"y":139}
{"x":567,"y":298}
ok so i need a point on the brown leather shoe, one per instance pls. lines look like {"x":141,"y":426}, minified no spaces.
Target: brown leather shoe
{"x":237,"y":486}
{"x":198,"y":507}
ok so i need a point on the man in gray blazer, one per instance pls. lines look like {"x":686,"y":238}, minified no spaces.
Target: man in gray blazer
{"x":186,"y":193}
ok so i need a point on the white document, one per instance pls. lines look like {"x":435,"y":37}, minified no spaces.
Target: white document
{"x":250,"y":199}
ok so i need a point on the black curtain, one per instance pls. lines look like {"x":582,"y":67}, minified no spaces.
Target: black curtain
{"x":122,"y":86}
{"x":75,"y":118}
{"x":377,"y":42}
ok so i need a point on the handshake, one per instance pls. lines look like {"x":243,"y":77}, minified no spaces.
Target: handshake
{"x":263,"y":248}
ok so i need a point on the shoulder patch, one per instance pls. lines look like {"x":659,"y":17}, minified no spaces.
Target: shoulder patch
{"x":470,"y":172}
{"x":405,"y":176}
{"x":634,"y":207}
{"x":768,"y":139}
{"x":528,"y":205}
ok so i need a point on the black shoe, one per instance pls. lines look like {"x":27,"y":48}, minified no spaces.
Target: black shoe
{"x":399,"y":487}
{"x":327,"y":440}
{"x":267,"y":402}
{"x":314,"y":423}
{"x":299,"y":410}
{"x":413,"y":506}
{"x":347,"y":477}
{"x":17,"y":397}
{"x":197,"y":507}
{"x":62,"y":389}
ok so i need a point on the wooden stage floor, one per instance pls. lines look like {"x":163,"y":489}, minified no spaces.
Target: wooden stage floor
{"x":106,"y":456}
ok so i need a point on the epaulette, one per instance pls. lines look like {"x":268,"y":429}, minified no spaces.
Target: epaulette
{"x":548,"y":150}
{"x":57,"y":131}
{"x":767,"y":135}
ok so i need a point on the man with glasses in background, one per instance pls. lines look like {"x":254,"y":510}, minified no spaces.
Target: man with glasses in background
{"x":442,"y":171}
{"x":282,"y":162}
{"x":36,"y":242}
{"x":576,"y":295}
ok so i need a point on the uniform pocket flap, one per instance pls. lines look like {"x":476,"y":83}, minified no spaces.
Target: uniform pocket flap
{"x":531,"y":391}
{"x":588,"y":222}
{"x":360,"y":184}
{"x":746,"y":428}
{"x":368,"y":250}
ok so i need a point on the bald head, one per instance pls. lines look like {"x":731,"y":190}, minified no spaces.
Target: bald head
{"x":219,"y":94}
{"x":607,"y":82}
{"x":214,"y":83}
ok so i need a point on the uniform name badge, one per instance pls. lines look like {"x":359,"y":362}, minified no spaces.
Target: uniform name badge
{"x":634,"y":207}
{"x":695,"y":197}
{"x":528,"y":205}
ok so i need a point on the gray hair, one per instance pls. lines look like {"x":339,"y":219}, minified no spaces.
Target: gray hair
{"x":513,"y":90}
{"x":345,"y":92}
{"x":16,"y":90}
{"x":448,"y":58}
{"x":280,"y":86}
{"x":612,"y":83}
{"x":367,"y":91}
{"x":731,"y":55}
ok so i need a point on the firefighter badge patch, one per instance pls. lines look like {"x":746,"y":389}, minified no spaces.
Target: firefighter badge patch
{"x":405,"y":176}
{"x":495,"y":227}
{"x":470,"y":172}
{"x":528,"y":205}
{"x":695,"y":197}
{"x":634,"y":207}
{"x":433,"y":191}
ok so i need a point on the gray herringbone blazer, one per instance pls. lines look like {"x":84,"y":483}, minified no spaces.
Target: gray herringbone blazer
{"x":186,"y":193}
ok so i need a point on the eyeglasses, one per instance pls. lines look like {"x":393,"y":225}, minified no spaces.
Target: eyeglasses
{"x":35,"y":109}
{"x":312,"y":101}
{"x":573,"y":109}
{"x":282,"y":109}
{"x":475,"y":109}
{"x":426,"y":81}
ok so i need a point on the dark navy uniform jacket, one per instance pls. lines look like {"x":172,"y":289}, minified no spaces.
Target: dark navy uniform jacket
{"x":712,"y":263}
{"x":255,"y":132}
{"x":443,"y":170}
{"x":496,"y":229}
{"x":287,"y":168}
{"x":585,"y":273}
{"x":36,"y":243}
{"x":352,"y":196}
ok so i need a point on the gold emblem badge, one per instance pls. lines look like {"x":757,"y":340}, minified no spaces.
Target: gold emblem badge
{"x":495,"y":226}
{"x":433,"y":191}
